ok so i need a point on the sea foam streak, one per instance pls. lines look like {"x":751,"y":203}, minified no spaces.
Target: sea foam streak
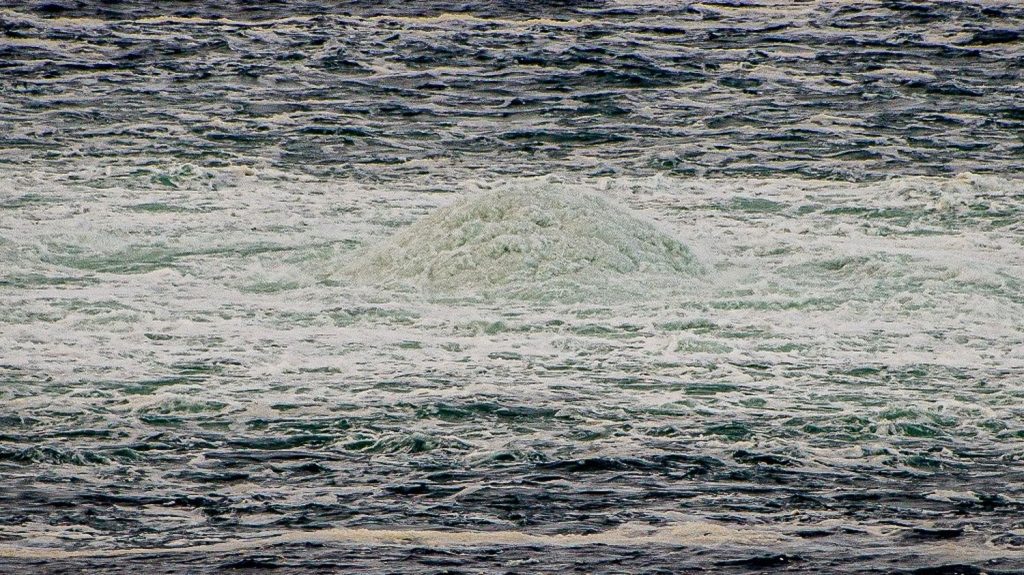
{"x":207,"y":338}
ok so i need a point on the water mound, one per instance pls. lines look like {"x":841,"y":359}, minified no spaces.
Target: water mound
{"x":531,"y":242}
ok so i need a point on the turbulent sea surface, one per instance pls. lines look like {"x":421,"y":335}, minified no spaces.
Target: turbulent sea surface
{"x":512,"y":287}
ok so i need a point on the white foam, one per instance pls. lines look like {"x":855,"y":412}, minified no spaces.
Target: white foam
{"x":531,"y":239}
{"x":692,"y":533}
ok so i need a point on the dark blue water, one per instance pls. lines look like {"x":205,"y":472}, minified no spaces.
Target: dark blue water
{"x":848,"y":90}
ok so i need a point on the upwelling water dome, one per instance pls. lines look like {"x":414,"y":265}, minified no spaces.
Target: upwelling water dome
{"x":538,"y":241}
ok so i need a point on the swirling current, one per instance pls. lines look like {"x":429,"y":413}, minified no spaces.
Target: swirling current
{"x":512,"y":287}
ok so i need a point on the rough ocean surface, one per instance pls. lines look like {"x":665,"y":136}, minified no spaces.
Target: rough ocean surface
{"x":393,"y":89}
{"x":801,"y":347}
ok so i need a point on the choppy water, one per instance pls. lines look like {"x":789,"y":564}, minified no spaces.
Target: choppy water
{"x":376,"y":89}
{"x":199,"y":369}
